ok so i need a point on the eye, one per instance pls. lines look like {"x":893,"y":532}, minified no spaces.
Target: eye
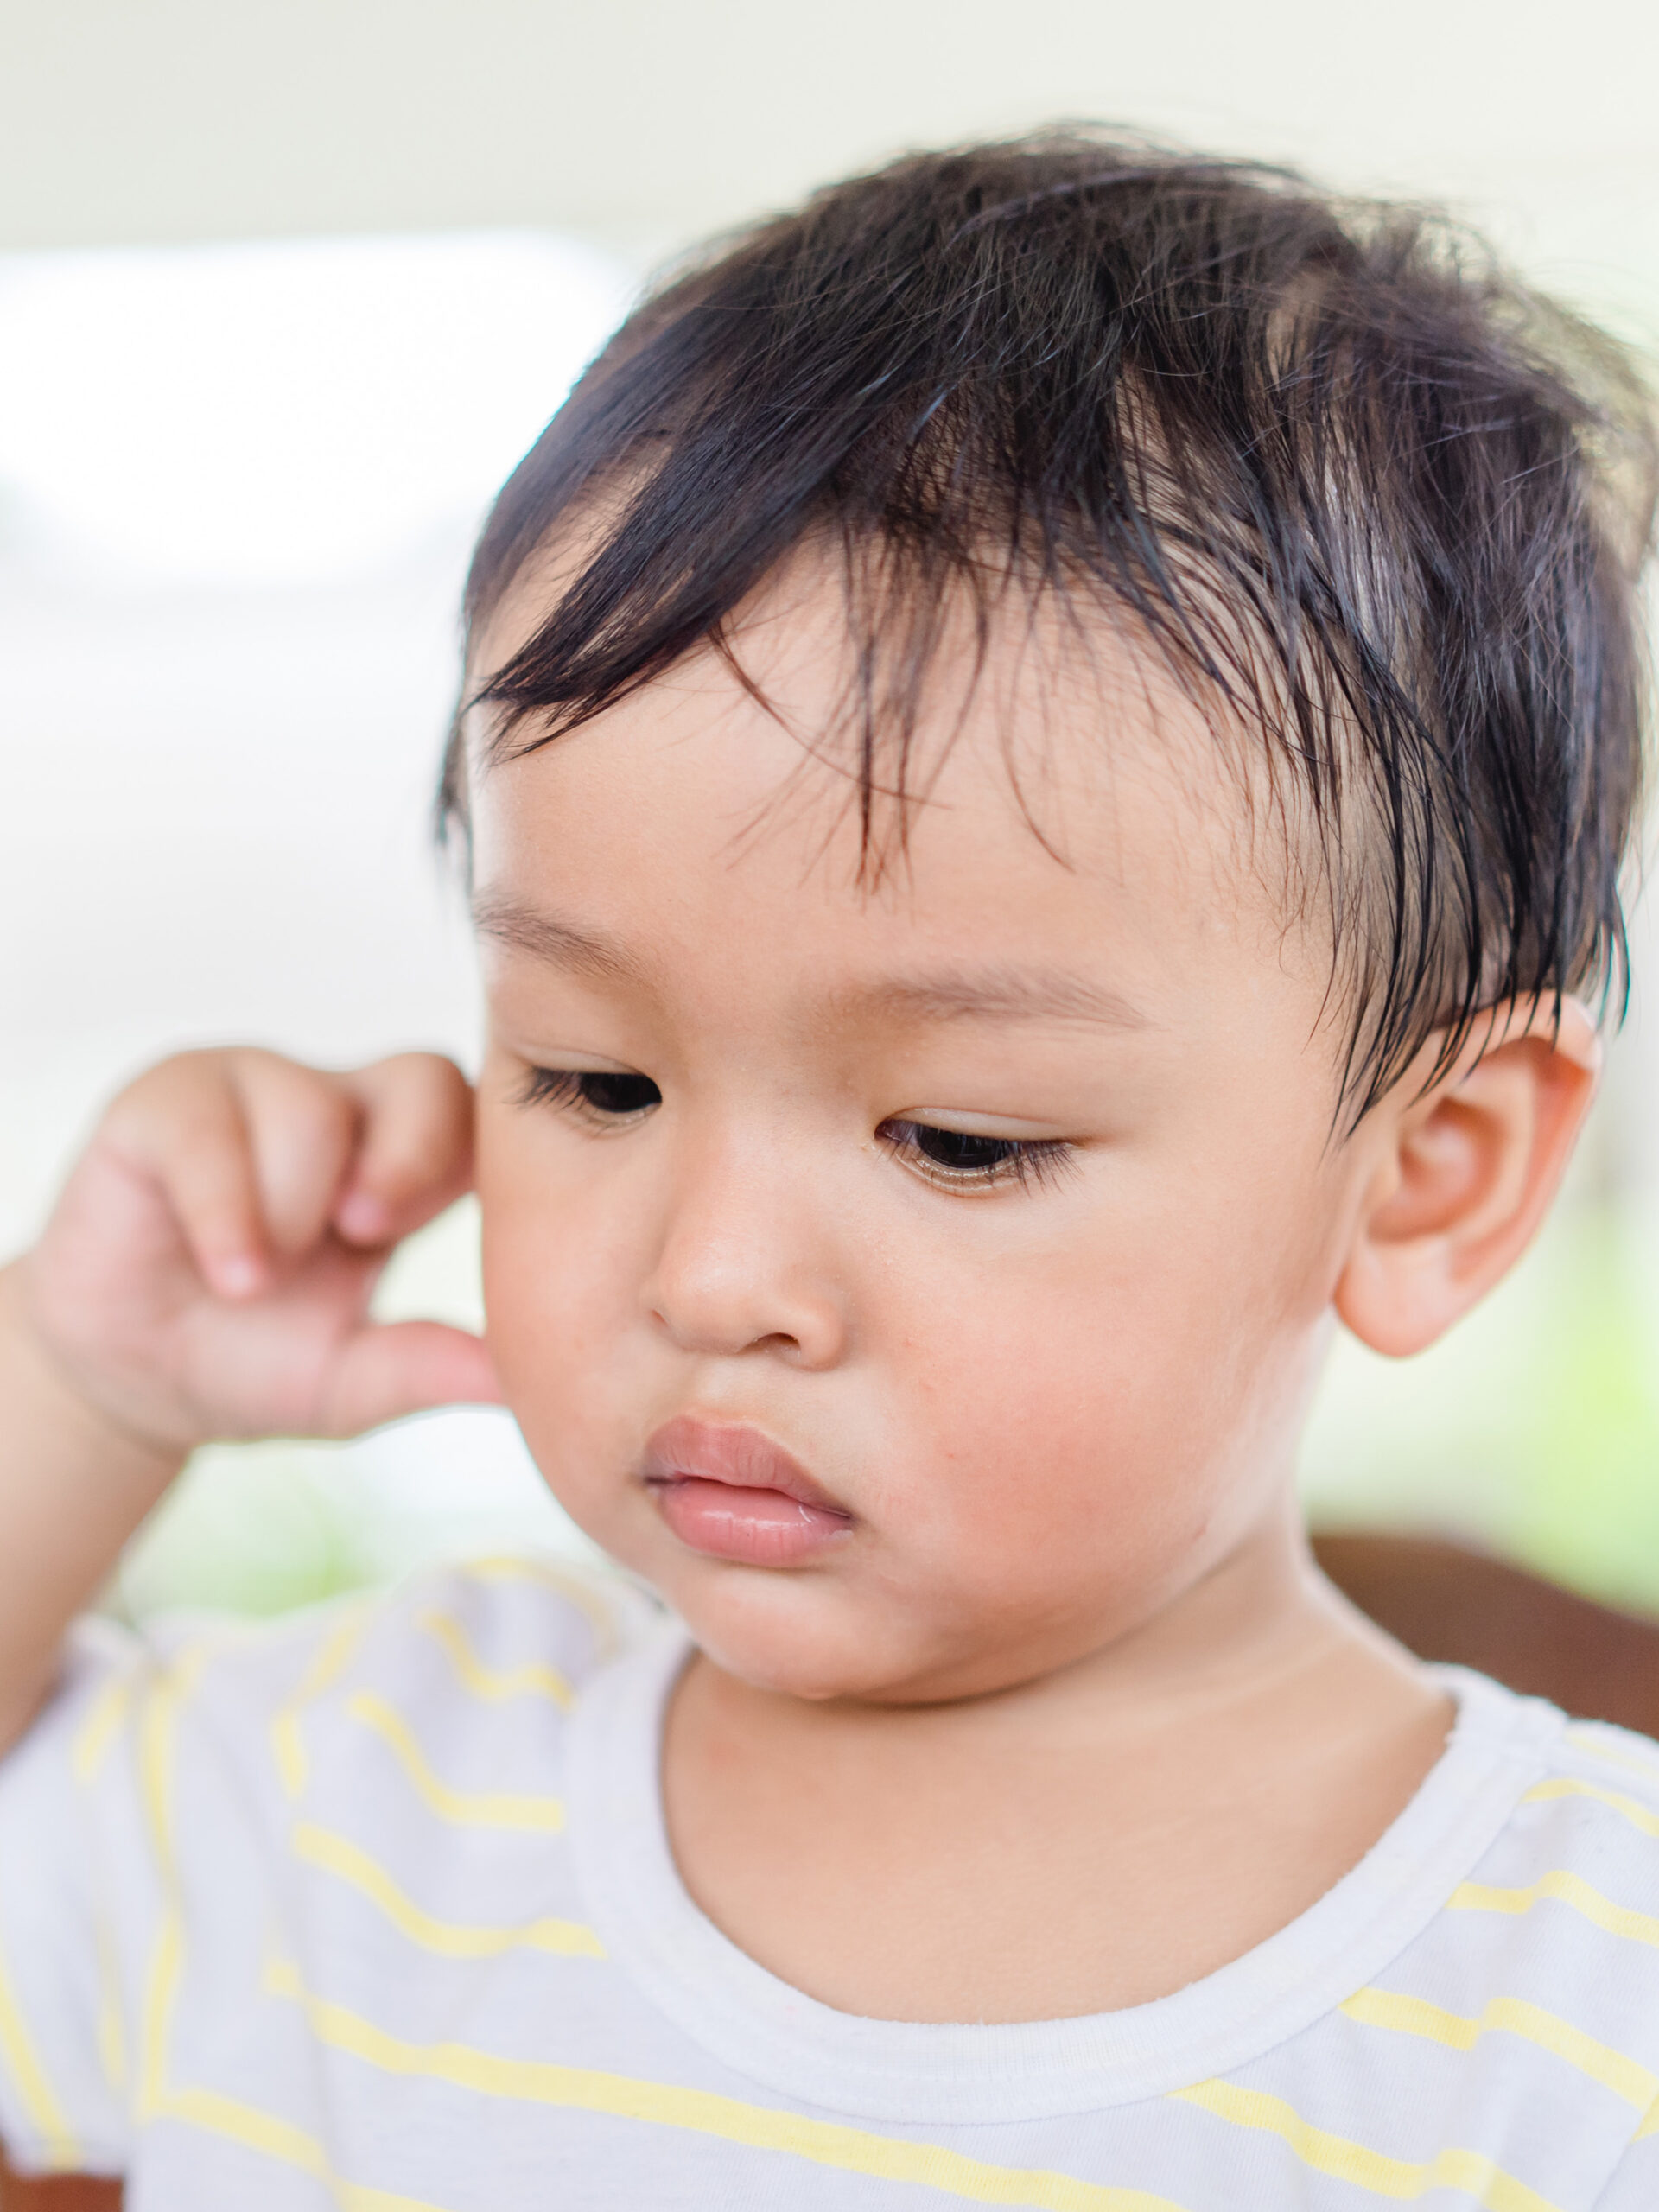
{"x":961,"y":1159}
{"x":600,"y":1094}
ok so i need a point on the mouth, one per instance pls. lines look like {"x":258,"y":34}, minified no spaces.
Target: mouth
{"x":732,"y":1494}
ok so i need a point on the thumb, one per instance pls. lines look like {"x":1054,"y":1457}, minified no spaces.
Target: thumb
{"x":387,"y":1369}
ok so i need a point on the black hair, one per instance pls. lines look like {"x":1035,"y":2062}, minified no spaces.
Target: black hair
{"x":1347,"y":474}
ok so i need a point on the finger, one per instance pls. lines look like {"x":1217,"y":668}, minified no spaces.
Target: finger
{"x":405,"y":1367}
{"x":304,"y":1126}
{"x":181,"y":1127}
{"x":415,"y":1150}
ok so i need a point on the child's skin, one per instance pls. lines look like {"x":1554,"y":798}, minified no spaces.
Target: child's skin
{"x":976,"y":1731}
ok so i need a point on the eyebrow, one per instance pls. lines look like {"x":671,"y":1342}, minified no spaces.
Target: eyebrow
{"x":527,"y":929}
{"x":996,"y":995}
{"x":947,"y":994}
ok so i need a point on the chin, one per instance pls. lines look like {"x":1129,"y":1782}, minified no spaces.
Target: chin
{"x":822,"y":1650}
{"x":768,"y":1631}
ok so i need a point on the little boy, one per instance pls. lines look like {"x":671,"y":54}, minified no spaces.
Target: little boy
{"x":1047,"y":748}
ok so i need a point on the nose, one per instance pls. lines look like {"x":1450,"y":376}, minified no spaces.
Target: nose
{"x":748,"y":1262}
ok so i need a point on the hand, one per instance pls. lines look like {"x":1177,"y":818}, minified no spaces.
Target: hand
{"x":208,"y":1269}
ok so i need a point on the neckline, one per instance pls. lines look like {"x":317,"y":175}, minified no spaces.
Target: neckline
{"x":897,"y":2070}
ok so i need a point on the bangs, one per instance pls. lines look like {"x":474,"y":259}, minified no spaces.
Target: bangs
{"x":1362,"y":492}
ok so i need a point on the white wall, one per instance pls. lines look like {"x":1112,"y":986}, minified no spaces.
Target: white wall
{"x":236,"y":491}
{"x":648,"y":121}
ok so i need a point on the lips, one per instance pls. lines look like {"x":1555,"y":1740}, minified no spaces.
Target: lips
{"x":732,"y":1494}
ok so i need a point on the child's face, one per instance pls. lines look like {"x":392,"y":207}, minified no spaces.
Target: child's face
{"x":1030,"y":1409}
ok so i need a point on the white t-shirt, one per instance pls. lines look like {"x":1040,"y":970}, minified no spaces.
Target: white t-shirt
{"x":374,"y":1910}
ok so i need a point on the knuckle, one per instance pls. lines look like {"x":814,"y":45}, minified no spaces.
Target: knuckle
{"x":426,"y":1080}
{"x":421,"y":1113}
{"x":285,"y":1098}
{"x":180,"y":1104}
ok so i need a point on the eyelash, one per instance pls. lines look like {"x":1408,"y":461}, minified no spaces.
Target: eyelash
{"x":572,"y":1090}
{"x":1034,"y":1163}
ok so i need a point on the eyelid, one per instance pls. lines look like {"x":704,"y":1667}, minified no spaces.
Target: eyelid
{"x":1000,"y":1128}
{"x":556,"y":1059}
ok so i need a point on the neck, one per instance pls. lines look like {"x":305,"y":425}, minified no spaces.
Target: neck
{"x":1050,"y":1847}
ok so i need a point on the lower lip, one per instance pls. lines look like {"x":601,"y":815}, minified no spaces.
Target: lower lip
{"x":756,"y":1528}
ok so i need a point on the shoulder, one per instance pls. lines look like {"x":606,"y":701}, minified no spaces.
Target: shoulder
{"x":1576,"y":1787}
{"x":491,"y":1655}
{"x":1596,"y":1804}
{"x":498,"y":1631}
{"x":1530,"y":1991}
{"x":1602,"y":1755}
{"x":1587,"y":1778}
{"x":500,"y":1627}
{"x":1561,"y":1906}
{"x":488,"y":1658}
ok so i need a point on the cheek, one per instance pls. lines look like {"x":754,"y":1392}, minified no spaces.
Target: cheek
{"x":560,"y":1285}
{"x":1084,"y":1413}
{"x":1064,"y":1441}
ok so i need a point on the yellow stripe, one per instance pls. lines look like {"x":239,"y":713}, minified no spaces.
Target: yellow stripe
{"x":532,"y":1680}
{"x":1649,"y":2125}
{"x":162,"y":1989}
{"x":111,"y":2028}
{"x":1415,"y":2016}
{"x":1403,"y":2179}
{"x":484,"y":1809}
{"x":328,"y":1662}
{"x":24,"y":2064}
{"x":199,"y":2108}
{"x":1631,"y":1761}
{"x":103,"y":1723}
{"x":157,"y":1746}
{"x":1568,"y":1786}
{"x":335,"y":1854}
{"x":582,"y":1593}
{"x":758,"y":2127}
{"x":279,"y":2139}
{"x":98,"y":1730}
{"x":1563,"y":1889}
{"x":245,"y":2124}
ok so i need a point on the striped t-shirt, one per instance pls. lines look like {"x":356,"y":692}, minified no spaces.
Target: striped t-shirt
{"x":374,"y":1909}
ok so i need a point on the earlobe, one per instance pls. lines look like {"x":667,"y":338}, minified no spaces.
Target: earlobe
{"x":1461,"y":1176}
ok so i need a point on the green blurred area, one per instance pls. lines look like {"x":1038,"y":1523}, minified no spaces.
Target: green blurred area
{"x":1531,"y":1431}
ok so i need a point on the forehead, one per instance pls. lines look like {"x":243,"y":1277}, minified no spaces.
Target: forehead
{"x":1054,"y":780}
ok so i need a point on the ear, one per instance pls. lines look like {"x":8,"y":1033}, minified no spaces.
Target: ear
{"x":1460,"y":1176}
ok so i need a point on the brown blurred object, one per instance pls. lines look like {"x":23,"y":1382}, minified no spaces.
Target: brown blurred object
{"x":61,"y":2193}
{"x":1446,"y":1602}
{"x":1441,"y":1601}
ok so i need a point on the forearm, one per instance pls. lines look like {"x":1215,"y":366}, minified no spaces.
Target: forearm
{"x":73,"y":1486}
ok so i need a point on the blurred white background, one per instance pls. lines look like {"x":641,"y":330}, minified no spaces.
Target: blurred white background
{"x":284,"y":290}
